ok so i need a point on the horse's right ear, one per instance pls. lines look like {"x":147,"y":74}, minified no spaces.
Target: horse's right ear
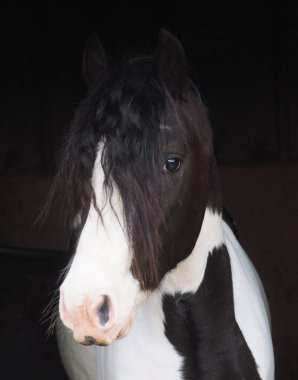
{"x":94,"y":59}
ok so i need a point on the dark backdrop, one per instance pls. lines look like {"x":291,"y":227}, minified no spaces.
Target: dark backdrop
{"x":244,"y":57}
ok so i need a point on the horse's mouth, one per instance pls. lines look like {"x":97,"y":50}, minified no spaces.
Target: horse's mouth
{"x":105,"y":338}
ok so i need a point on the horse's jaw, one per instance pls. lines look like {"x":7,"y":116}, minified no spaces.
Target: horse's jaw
{"x":189,"y":273}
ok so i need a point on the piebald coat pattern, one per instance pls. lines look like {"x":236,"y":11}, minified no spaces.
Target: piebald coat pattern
{"x":146,"y":352}
{"x":158,"y":286}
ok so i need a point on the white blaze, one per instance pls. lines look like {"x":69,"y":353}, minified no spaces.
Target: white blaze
{"x":101,"y":265}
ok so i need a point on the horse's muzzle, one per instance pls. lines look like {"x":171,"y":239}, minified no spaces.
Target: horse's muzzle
{"x":94,"y":321}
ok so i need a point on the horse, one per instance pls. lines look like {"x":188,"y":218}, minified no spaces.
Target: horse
{"x":158,"y":286}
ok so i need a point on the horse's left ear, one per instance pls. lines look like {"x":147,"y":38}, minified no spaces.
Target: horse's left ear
{"x":94,"y":59}
{"x":171,"y":62}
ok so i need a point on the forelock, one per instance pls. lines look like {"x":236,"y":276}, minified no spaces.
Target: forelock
{"x":130,"y":120}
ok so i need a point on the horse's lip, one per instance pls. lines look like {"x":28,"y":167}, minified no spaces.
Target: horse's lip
{"x":97,"y":337}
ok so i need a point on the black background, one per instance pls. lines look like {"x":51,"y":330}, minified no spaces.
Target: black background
{"x":245,"y":58}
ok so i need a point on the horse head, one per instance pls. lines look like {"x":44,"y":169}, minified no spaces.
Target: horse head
{"x":138,"y":168}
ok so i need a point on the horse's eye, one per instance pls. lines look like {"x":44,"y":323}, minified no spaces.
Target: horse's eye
{"x":172,"y":164}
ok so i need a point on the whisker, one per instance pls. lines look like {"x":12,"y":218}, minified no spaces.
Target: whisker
{"x":50,"y":314}
{"x":63,"y":273}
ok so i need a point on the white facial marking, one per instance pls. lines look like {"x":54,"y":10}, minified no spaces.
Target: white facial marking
{"x":165,"y":127}
{"x":101,"y":265}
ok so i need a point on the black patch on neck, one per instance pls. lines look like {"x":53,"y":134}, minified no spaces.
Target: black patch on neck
{"x":203,"y":329}
{"x":227,"y":217}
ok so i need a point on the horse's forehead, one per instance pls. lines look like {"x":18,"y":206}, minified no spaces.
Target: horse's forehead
{"x":174,"y":131}
{"x":182,"y":118}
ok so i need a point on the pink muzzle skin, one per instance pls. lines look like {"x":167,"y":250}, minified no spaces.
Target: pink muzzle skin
{"x":85,"y":323}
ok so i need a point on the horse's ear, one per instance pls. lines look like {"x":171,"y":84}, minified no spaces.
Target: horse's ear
{"x":94,"y":59}
{"x":171,"y":62}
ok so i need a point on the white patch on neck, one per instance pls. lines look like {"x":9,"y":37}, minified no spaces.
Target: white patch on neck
{"x":189,"y":273}
{"x":250,"y":304}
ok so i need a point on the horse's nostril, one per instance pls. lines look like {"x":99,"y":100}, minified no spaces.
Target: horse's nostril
{"x":103,"y":311}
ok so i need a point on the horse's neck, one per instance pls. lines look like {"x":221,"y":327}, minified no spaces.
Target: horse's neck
{"x":188,"y":274}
